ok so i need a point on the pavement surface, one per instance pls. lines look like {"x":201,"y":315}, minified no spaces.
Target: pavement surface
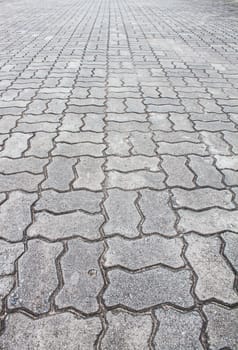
{"x":118,"y":175}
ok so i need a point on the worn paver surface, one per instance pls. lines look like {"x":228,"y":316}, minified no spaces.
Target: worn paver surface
{"x":118,"y":174}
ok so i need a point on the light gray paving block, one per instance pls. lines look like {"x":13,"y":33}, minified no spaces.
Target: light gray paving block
{"x":222,"y":327}
{"x":21,"y":181}
{"x":224,"y":162}
{"x":118,"y":143}
{"x":123,"y":216}
{"x":79,"y":149}
{"x":132,"y":163}
{"x":215,"y":278}
{"x":40,"y":144}
{"x":159,"y":217}
{"x":209,"y":221}
{"x":66,"y":225}
{"x":37,"y":277}
{"x":15,"y":145}
{"x":181,"y":148}
{"x":176,"y":136}
{"x":30,"y":164}
{"x":215,"y":143}
{"x":144,"y":252}
{"x":145,"y":289}
{"x":231,"y":248}
{"x":142,"y":143}
{"x":75,"y":200}
{"x":127,"y":331}
{"x":206,"y":172}
{"x":59,"y":173}
{"x":135,"y":180}
{"x":9,"y":253}
{"x":202,"y":198}
{"x":82,"y":276}
{"x":61,"y":331}
{"x":89,"y":173}
{"x":15,"y":215}
{"x":177,"y":171}
{"x":178,"y":330}
{"x":6,"y":284}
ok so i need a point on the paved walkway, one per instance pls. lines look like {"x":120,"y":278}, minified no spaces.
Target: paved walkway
{"x":119,"y":174}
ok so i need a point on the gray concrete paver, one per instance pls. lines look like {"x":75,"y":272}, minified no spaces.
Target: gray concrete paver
{"x":118,"y":174}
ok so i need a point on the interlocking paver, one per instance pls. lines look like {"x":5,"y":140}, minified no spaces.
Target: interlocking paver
{"x":37,"y":278}
{"x":159,"y":217}
{"x":215,"y":278}
{"x":145,"y":289}
{"x":178,"y":330}
{"x":144,"y":252}
{"x":15,"y":215}
{"x":118,"y":174}
{"x":127,"y":331}
{"x":227,"y":336}
{"x":60,"y":331}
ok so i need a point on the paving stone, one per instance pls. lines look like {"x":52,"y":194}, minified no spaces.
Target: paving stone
{"x":230,"y":177}
{"x":67,"y":225}
{"x":56,"y":106}
{"x":160,"y":122}
{"x":227,"y":162}
{"x":37,"y":277}
{"x":118,"y":143}
{"x":15,"y":145}
{"x":159,"y":217}
{"x":60,"y":331}
{"x":82,"y":276}
{"x":62,"y":202}
{"x":214,"y":126}
{"x":144,"y":252}
{"x":178,"y":174}
{"x":209,"y":221}
{"x":37,"y":107}
{"x":6,"y":284}
{"x":181,"y":122}
{"x":60,"y":174}
{"x":79,"y":149}
{"x":7,"y":122}
{"x":215,"y":143}
{"x":215,"y":278}
{"x":127,"y":331}
{"x":72,"y":122}
{"x":231,"y":246}
{"x":206,"y":172}
{"x":142,"y":143}
{"x":176,"y":136}
{"x":32,"y":165}
{"x":22,"y":181}
{"x":40,"y":144}
{"x":127,"y":127}
{"x":137,"y":162}
{"x":145,"y":289}
{"x":181,"y":148}
{"x":222,"y":327}
{"x":202,"y":198}
{"x":9,"y":253}
{"x":90,"y":173}
{"x":231,"y":138}
{"x":123,"y":216}
{"x":178,"y":330}
{"x":79,"y":137}
{"x":93,"y":122}
{"x":135,"y":180}
{"x":15,"y":215}
{"x":35,"y":127}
